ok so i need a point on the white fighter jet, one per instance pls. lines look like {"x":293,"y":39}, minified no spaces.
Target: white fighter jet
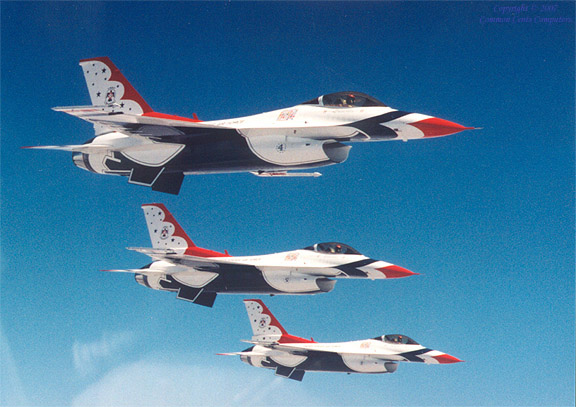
{"x":157,"y":150}
{"x":292,"y":356}
{"x":197,"y":274}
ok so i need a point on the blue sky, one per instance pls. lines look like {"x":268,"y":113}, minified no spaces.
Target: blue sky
{"x":487,"y":217}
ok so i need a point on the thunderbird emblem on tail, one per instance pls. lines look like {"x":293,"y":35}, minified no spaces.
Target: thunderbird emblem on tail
{"x":291,"y":356}
{"x":197,"y":274}
{"x":157,"y":150}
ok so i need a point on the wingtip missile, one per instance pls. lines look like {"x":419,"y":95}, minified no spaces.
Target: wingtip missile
{"x":285,"y":174}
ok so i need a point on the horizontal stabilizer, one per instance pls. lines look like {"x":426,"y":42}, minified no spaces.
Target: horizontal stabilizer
{"x":82,"y":111}
{"x":150,"y":251}
{"x":167,"y":120}
{"x":171,"y":256}
{"x":243,"y":354}
{"x":285,"y":174}
{"x":282,"y":349}
{"x":79,"y":110}
{"x":76,"y":148}
{"x":103,"y":115}
{"x":137,"y":271}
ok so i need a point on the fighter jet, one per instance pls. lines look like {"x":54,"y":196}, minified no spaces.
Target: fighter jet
{"x":291,"y":356}
{"x":198,"y":274}
{"x":157,"y":150}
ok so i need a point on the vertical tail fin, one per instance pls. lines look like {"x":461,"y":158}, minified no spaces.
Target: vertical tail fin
{"x":108,"y":87}
{"x":265,"y":327}
{"x":166,"y":233}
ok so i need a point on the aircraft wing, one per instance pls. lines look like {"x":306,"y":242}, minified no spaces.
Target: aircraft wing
{"x":134,"y":123}
{"x":80,"y":148}
{"x":282,"y":349}
{"x":135,"y":271}
{"x":252,"y":353}
{"x":171,"y":256}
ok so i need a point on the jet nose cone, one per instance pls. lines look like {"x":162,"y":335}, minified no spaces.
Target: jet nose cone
{"x":445,"y":358}
{"x":394,"y":271}
{"x":435,"y":127}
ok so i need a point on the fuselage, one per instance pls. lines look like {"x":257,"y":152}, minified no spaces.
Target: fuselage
{"x":303,"y":136}
{"x":310,"y":138}
{"x":364,"y":356}
{"x":304,"y":271}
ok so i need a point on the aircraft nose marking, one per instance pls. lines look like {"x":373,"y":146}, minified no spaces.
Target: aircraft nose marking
{"x":351,"y":269}
{"x":388,"y":117}
{"x":394,"y":271}
{"x":445,"y":358}
{"x":413,"y":356}
{"x":435,"y":127}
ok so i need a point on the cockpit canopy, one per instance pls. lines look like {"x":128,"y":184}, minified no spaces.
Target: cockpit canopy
{"x":332,"y":248}
{"x":397,"y":339}
{"x":345,"y":99}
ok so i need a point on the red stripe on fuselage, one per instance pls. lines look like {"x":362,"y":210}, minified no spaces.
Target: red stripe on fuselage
{"x":172,"y":117}
{"x":286,"y":338}
{"x":200,"y":252}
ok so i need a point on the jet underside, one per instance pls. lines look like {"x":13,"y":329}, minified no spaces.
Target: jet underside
{"x":319,"y":361}
{"x":213,"y":150}
{"x":236,"y":278}
{"x":232,"y":278}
